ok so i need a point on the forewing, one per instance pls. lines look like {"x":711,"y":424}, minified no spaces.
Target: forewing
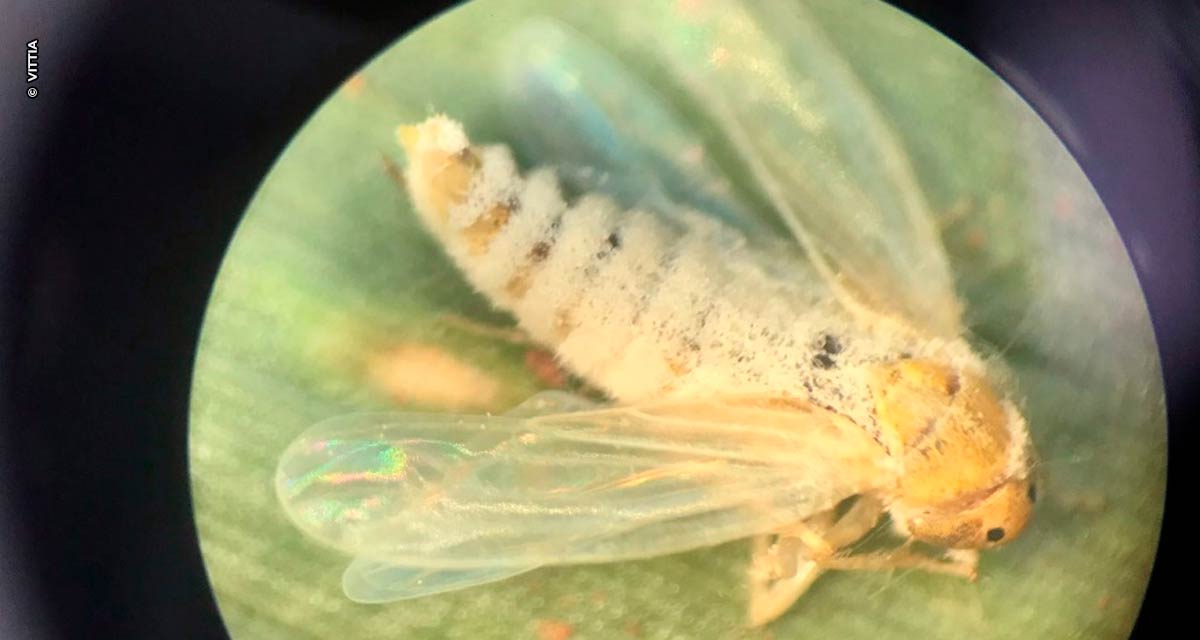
{"x":818,"y":147}
{"x":573,"y":105}
{"x":475,"y":492}
{"x":373,"y":581}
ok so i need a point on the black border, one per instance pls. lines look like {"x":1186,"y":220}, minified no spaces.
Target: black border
{"x":150,"y":108}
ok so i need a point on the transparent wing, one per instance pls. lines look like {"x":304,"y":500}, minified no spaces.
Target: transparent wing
{"x":817,"y":146}
{"x":470,"y":493}
{"x":573,"y":105}
{"x":373,"y":581}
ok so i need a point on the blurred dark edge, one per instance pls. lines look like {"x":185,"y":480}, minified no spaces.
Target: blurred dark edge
{"x":123,"y":181}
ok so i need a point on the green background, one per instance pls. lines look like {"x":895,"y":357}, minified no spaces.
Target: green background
{"x":330,"y":266}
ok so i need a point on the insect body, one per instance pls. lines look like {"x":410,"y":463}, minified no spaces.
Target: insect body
{"x":751,"y":395}
{"x":650,"y":310}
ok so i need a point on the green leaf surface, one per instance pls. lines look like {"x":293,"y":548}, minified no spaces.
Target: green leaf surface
{"x":331,"y":272}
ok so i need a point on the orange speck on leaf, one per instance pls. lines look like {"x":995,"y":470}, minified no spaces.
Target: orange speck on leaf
{"x":976,"y":239}
{"x":554,"y":630}
{"x":1063,"y":206}
{"x":693,"y":155}
{"x":355,"y":84}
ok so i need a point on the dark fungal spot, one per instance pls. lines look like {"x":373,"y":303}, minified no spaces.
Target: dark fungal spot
{"x":611,"y":243}
{"x":539,"y":251}
{"x":995,"y":534}
{"x":823,"y":361}
{"x":831,"y":345}
{"x":467,"y":156}
{"x":1032,"y":493}
{"x":953,"y":384}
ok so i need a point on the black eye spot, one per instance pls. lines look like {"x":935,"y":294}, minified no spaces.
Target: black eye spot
{"x":1032,"y":493}
{"x":614,"y":240}
{"x":995,"y":534}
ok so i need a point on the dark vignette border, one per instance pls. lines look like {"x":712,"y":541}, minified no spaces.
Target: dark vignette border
{"x":154,"y":108}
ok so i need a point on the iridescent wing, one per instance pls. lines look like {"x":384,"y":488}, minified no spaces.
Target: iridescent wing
{"x":805,"y":134}
{"x":573,"y":105}
{"x":432,"y":502}
{"x":819,"y":148}
{"x":375,"y":581}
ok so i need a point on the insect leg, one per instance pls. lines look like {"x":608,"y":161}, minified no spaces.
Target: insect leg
{"x":770,"y":598}
{"x":856,"y":522}
{"x":776,"y":556}
{"x":812,"y":533}
{"x":825,"y":534}
{"x":859,"y":520}
{"x":778,"y":577}
{"x":965,"y":561}
{"x":902,"y":559}
{"x":393,"y":170}
{"x":466,"y":325}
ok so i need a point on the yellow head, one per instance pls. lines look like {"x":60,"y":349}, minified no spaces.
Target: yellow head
{"x":965,"y":453}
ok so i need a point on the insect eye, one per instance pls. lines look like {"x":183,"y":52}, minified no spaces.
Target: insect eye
{"x":995,"y":534}
{"x":1032,"y":493}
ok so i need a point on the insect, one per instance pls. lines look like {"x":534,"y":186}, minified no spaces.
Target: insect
{"x":755,"y":390}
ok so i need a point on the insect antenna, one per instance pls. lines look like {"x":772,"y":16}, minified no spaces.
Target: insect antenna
{"x":392,"y":169}
{"x":512,"y":335}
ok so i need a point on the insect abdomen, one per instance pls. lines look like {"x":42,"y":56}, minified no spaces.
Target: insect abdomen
{"x":570,"y":274}
{"x":638,"y":303}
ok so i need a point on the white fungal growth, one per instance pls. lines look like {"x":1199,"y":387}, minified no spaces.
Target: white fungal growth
{"x":649,"y":305}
